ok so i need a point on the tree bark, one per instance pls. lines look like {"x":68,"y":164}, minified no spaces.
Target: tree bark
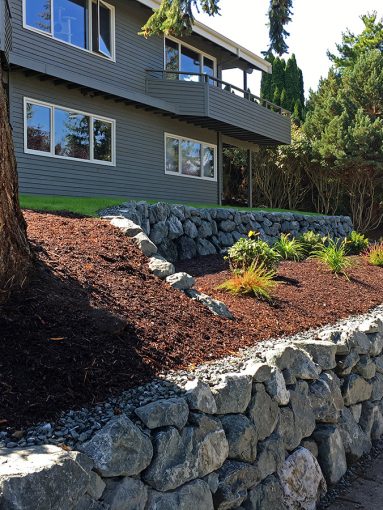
{"x":15,"y":253}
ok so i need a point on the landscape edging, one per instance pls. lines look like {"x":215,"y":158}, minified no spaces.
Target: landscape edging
{"x":295,"y":418}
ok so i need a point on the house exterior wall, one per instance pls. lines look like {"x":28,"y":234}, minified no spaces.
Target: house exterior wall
{"x":134,"y":53}
{"x":140,"y":152}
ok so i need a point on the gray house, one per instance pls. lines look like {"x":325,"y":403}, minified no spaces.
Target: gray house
{"x":98,"y":110}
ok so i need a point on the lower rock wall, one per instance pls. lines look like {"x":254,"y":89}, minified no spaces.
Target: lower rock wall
{"x":271,"y":435}
{"x":183,"y":232}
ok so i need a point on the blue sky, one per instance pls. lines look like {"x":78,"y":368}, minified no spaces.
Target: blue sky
{"x":317,"y":25}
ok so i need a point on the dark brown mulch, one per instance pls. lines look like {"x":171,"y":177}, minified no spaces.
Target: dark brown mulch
{"x":308,"y":295}
{"x":93,"y":321}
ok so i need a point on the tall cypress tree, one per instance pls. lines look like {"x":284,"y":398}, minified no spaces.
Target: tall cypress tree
{"x":284,"y":86}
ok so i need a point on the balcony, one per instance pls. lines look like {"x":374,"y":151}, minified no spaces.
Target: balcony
{"x":212,"y":103}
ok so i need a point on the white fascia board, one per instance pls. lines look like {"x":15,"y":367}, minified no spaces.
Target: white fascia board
{"x":222,"y":41}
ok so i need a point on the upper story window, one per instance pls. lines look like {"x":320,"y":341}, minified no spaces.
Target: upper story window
{"x":55,"y":131}
{"x":187,"y":60}
{"x":86,"y":24}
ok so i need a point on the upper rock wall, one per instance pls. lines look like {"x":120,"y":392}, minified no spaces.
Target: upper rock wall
{"x":183,"y":232}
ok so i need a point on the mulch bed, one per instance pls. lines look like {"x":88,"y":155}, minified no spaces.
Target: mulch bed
{"x":93,"y":321}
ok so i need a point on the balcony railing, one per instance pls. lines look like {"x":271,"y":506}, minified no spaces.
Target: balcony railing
{"x":163,"y":74}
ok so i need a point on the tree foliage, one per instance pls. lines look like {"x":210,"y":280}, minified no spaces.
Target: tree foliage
{"x":176,"y":17}
{"x":352,"y":46}
{"x":284,"y":86}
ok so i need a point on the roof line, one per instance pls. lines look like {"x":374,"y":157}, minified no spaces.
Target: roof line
{"x":222,"y":41}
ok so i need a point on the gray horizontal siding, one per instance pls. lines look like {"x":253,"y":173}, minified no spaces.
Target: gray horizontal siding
{"x":191,"y":98}
{"x":134,"y":53}
{"x":139,"y":170}
{"x":245,"y":114}
{"x":215,"y":104}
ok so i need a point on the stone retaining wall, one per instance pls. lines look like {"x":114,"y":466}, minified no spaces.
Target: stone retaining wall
{"x":183,"y":232}
{"x":268,"y":435}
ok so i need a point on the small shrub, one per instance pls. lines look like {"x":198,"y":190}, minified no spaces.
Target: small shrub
{"x":334,"y":256}
{"x":375,"y":254}
{"x":248,"y":250}
{"x":356,"y":243}
{"x":311,"y":242}
{"x":289,"y":249}
{"x":256,"y":281}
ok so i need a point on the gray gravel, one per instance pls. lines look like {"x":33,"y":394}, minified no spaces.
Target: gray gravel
{"x":76,"y":427}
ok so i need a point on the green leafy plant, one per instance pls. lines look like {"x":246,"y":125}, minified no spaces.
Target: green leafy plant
{"x":248,"y":250}
{"x":334,"y":256}
{"x":375,"y":254}
{"x":311,"y":242}
{"x":289,"y":248}
{"x":256,"y":280}
{"x":356,"y":243}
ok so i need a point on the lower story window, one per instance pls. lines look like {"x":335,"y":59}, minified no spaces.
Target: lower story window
{"x":56,"y":131}
{"x":190,"y":158}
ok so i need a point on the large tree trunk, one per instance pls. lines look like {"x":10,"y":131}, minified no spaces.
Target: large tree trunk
{"x":15,"y":253}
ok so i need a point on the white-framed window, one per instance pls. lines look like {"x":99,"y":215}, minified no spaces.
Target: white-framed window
{"x":181,"y":57}
{"x":85,"y":24}
{"x":190,"y":158}
{"x":61,"y":132}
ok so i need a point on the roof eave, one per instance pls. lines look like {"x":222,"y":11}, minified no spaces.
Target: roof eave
{"x":224,"y":42}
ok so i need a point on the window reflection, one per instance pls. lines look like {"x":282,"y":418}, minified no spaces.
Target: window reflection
{"x":71,"y":23}
{"x":38,"y":14}
{"x":71,"y":134}
{"x":102,"y":140}
{"x":38,"y":127}
{"x":172,"y":154}
{"x":191,"y":158}
{"x":171,"y":58}
{"x":190,"y":63}
{"x":208,"y":162}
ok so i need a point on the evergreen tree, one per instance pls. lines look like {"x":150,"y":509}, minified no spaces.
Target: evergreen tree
{"x":176,"y":17}
{"x":284,"y":86}
{"x":352,"y":46}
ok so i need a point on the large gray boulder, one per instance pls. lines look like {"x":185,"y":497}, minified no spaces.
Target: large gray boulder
{"x":180,"y":281}
{"x":366,"y":368}
{"x":175,"y":227}
{"x":160,"y":267}
{"x":126,"y":226}
{"x":325,"y":398}
{"x":126,"y":494}
{"x":159,"y":232}
{"x":260,"y":372}
{"x":200,"y":397}
{"x":242,"y":437}
{"x":298,"y":420}
{"x":235,"y":478}
{"x":191,"y":496}
{"x":216,"y":307}
{"x":276,"y":387}
{"x":183,"y":456}
{"x":355,"y":441}
{"x":268,"y":495}
{"x":377,"y":387}
{"x":263,"y":412}
{"x":331,"y":454}
{"x":233,"y":393}
{"x":371,"y":420}
{"x":42,"y":477}
{"x":271,"y":456}
{"x":296,"y":360}
{"x":355,"y":389}
{"x":187,"y":248}
{"x":302,"y":481}
{"x":321,"y":352}
{"x":119,"y":448}
{"x":376,"y":340}
{"x":143,"y":242}
{"x":96,"y":486}
{"x":205,"y":247}
{"x":357,"y":341}
{"x":345,"y":364}
{"x":163,"y":413}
